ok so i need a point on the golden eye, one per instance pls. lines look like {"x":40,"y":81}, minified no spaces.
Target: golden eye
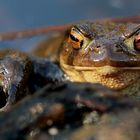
{"x":133,"y":42}
{"x":77,"y":39}
{"x":137,"y":42}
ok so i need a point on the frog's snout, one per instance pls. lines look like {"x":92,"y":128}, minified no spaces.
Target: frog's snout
{"x":102,"y":54}
{"x":97,"y":51}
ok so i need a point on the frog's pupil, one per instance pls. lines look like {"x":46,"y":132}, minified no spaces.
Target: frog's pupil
{"x":74,"y":38}
{"x":81,"y":43}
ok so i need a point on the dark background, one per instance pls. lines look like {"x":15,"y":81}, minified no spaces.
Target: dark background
{"x":25,"y":14}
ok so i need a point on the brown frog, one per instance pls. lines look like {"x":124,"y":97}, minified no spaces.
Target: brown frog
{"x":104,"y":52}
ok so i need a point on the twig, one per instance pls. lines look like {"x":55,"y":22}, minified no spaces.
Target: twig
{"x":32,"y":32}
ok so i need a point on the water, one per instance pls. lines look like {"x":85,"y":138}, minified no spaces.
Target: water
{"x":17,"y":14}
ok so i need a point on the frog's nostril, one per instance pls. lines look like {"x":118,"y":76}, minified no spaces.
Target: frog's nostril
{"x":98,"y":46}
{"x":97,"y":49}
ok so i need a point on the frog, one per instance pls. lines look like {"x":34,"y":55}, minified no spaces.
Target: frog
{"x":105,"y":52}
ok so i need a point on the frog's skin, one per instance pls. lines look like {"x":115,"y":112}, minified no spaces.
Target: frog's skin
{"x":104,"y":52}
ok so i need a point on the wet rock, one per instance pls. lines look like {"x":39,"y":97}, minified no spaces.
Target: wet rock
{"x":15,"y":69}
{"x":58,"y":107}
{"x":21,"y":75}
{"x":123,"y":125}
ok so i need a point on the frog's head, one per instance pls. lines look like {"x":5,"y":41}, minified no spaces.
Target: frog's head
{"x":106,"y":53}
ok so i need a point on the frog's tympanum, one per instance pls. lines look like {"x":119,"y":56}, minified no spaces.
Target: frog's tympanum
{"x":104,"y":52}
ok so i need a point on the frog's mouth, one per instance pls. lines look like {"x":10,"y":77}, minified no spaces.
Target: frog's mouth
{"x":114,"y":77}
{"x":104,"y":70}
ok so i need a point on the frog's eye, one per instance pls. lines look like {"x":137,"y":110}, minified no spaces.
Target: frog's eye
{"x":137,"y":43}
{"x":77,"y":39}
{"x":133,"y":42}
